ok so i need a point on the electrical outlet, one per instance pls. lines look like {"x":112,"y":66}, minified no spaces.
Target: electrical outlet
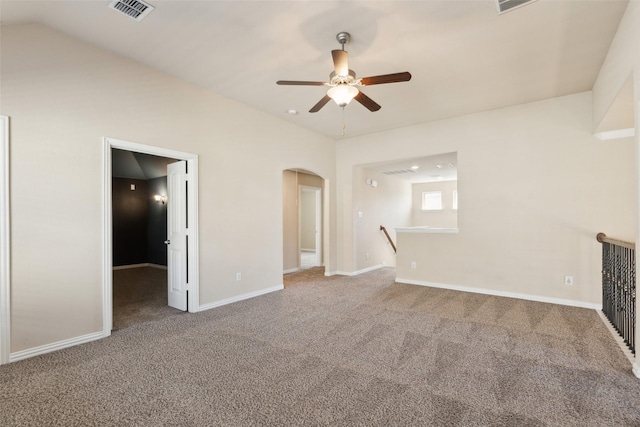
{"x":568,"y":280}
{"x":367,"y":255}
{"x":238,"y":277}
{"x":413,"y":264}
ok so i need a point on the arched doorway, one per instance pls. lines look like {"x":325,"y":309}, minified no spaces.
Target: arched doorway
{"x":302,"y":203}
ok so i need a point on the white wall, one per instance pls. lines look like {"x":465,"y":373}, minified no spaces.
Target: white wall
{"x":5,"y":243}
{"x":290,"y":249}
{"x":388,"y":204}
{"x":558,"y":187}
{"x":63,"y":97}
{"x":308,"y":220}
{"x":621,"y":64}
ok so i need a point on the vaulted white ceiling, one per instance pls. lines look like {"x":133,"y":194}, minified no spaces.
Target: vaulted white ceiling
{"x":463,"y":56}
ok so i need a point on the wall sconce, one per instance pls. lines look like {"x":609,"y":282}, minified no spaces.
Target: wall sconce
{"x":161,"y":200}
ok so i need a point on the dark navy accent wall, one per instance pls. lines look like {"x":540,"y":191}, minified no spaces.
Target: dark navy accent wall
{"x":130,"y":210}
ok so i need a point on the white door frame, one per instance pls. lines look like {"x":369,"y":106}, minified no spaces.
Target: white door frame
{"x":192,"y":206}
{"x":318,"y":225}
{"x":5,"y":244}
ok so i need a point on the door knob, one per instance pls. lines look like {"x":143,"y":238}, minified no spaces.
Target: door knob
{"x":167,"y":242}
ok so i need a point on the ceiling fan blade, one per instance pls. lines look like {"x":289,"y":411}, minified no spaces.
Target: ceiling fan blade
{"x":386,"y":78}
{"x":369,"y":103}
{"x":320,"y":104}
{"x":340,"y":62}
{"x":299,"y":83}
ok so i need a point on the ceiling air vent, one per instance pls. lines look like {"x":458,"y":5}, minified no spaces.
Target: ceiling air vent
{"x":135,"y":9}
{"x":399,"y":171}
{"x":507,"y":5}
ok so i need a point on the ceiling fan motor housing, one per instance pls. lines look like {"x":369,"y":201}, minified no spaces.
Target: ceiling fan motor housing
{"x":335,"y":79}
{"x":343,"y":38}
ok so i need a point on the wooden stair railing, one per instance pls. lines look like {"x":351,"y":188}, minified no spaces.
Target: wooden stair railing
{"x":389,"y":239}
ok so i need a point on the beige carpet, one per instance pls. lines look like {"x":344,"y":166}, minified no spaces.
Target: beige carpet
{"x":338,"y":351}
{"x":140,"y":295}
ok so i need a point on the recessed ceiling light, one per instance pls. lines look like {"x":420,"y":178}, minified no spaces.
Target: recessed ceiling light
{"x":292,"y":112}
{"x":414,"y":167}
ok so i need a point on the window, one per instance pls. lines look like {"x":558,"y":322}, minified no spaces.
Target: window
{"x":454,"y":204}
{"x":432,"y":201}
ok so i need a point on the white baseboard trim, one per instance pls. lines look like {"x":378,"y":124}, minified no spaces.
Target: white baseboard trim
{"x":615,"y":134}
{"x":48,"y":348}
{"x":366,"y":270}
{"x":636,"y":370}
{"x":355,"y":273}
{"x":291,"y":270}
{"x":145,"y":264}
{"x":237,"y":298}
{"x":528,"y":297}
{"x":345,"y":273}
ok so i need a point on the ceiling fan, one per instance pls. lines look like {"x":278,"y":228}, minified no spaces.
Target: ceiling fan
{"x":343,"y":81}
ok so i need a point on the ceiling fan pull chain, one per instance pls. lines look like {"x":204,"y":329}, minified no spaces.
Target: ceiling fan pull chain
{"x":343,"y":123}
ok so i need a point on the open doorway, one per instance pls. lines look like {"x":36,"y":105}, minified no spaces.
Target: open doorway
{"x":151,"y":233}
{"x":302,"y":197}
{"x":139,"y":230}
{"x":310,"y":223}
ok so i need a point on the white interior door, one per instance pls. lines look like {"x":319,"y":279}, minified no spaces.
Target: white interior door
{"x":177,"y":235}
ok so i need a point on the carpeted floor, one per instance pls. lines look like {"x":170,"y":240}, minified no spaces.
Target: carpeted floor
{"x":338,"y":351}
{"x":140,"y":295}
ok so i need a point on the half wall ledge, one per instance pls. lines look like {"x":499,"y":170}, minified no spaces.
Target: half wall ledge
{"x":428,"y":230}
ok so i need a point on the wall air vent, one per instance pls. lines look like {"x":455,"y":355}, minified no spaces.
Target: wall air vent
{"x":400,"y":171}
{"x":507,"y":5}
{"x":445,"y":165}
{"x":135,"y":9}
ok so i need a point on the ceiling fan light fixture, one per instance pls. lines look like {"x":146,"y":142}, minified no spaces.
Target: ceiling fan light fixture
{"x":342,"y":94}
{"x":343,"y":81}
